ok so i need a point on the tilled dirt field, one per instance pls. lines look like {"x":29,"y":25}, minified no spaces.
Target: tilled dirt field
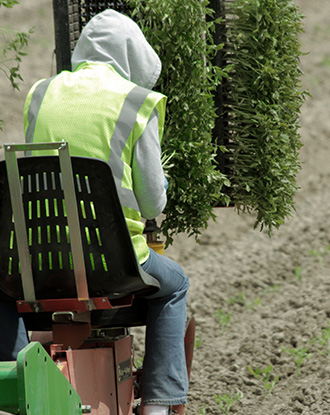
{"x":259,"y":303}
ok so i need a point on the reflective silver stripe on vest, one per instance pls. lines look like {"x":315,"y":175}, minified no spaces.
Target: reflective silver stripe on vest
{"x":124,"y":126}
{"x":34,"y":108}
{"x":123,"y":129}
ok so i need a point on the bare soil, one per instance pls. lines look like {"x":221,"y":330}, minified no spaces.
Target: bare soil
{"x":259,"y":302}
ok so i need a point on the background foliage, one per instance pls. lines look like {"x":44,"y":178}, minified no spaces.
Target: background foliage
{"x":12,"y":46}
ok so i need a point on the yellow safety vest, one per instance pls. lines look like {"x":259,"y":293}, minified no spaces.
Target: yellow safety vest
{"x":101,"y":115}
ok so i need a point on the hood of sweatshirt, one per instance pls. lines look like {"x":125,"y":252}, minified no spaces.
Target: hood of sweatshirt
{"x":113,"y":38}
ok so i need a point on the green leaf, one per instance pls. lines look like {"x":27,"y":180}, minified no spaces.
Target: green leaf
{"x":8,"y":3}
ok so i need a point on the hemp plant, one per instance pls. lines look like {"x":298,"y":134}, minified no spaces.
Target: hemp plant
{"x":227,"y":401}
{"x":266,"y":377}
{"x":323,"y":341}
{"x":240,"y":298}
{"x":264,"y":100}
{"x":261,"y":78}
{"x":298,"y":273}
{"x":300,"y":355}
{"x":320,"y":254}
{"x":223,"y":318}
{"x":198,"y":341}
{"x":180,"y":31}
{"x":202,"y":410}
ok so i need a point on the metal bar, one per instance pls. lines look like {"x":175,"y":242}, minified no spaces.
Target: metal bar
{"x":219,"y":136}
{"x":73,"y":304}
{"x":19,"y":223}
{"x":219,"y":36}
{"x":73,"y":222}
{"x":35,"y":146}
{"x":71,"y":210}
{"x":62,"y":35}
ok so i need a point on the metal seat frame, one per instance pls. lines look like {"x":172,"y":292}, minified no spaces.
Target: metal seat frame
{"x":31,"y":226}
{"x":86,"y":226}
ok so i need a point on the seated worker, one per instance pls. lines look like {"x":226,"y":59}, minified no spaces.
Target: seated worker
{"x":105,"y":109}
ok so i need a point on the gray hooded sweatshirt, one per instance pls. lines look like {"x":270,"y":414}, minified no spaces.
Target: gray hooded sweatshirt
{"x":113,"y":38}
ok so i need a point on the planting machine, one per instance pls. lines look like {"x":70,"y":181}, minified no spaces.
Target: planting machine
{"x":67,"y":257}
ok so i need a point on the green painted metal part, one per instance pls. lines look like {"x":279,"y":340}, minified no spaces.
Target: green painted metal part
{"x":35,"y":386}
{"x":8,"y":387}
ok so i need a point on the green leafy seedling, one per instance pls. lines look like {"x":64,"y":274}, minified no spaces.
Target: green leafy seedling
{"x":138,"y":362}
{"x":320,"y":254}
{"x":300,"y":355}
{"x":272,"y":289}
{"x":241,"y":299}
{"x":265,"y":376}
{"x":227,"y":401}
{"x":202,"y":410}
{"x":326,"y":61}
{"x":198,"y":341}
{"x":323,"y":341}
{"x":298,"y":273}
{"x":223,"y":318}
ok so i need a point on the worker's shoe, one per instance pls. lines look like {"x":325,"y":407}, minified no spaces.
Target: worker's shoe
{"x":157,"y":410}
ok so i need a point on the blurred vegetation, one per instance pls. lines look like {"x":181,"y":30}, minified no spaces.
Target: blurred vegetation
{"x":13,"y":44}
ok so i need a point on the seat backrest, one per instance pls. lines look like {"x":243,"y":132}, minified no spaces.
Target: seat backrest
{"x":112,"y":269}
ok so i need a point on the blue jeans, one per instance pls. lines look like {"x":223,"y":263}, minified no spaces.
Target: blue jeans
{"x":165,"y":380}
{"x":13,"y":334}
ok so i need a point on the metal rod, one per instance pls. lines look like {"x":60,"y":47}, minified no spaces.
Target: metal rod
{"x":71,"y":210}
{"x":19,"y":223}
{"x":62,"y":35}
{"x":73,"y":222}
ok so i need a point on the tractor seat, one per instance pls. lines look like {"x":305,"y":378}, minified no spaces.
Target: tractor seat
{"x":110,"y":264}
